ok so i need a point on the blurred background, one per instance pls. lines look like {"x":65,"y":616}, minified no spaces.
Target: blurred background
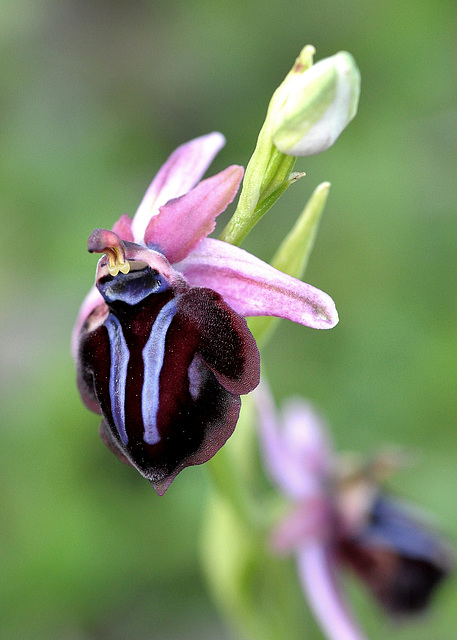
{"x":94,"y":96}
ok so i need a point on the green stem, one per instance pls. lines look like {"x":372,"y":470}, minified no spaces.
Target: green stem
{"x":241,"y":224}
{"x":268,"y":169}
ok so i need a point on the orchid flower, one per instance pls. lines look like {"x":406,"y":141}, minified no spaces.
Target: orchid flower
{"x":343,"y":518}
{"x":161,"y":345}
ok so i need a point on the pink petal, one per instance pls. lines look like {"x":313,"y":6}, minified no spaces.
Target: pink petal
{"x":306,"y":439}
{"x":290,"y":449}
{"x":276,"y":456}
{"x":177,"y":176}
{"x":181,"y":223}
{"x":316,"y":567}
{"x":254,"y":288}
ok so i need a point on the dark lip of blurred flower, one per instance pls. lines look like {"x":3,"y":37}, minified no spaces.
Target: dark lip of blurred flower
{"x":161,"y":345}
{"x":342,"y":517}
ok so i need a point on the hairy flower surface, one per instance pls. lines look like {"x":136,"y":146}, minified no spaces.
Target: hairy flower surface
{"x":162,"y":349}
{"x":342,"y":517}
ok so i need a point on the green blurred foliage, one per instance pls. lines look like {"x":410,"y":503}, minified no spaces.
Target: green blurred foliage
{"x":94,"y":97}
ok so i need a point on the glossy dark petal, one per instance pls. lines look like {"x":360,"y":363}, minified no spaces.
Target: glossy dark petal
{"x":399,"y":559}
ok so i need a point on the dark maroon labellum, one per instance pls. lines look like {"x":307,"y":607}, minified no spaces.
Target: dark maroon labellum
{"x":400,"y":560}
{"x":166,"y":368}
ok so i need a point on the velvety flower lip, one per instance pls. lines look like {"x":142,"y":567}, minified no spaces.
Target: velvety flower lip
{"x":341,"y":517}
{"x":163,"y":362}
{"x":162,"y":348}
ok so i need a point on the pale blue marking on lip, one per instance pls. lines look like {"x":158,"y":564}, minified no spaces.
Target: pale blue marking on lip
{"x":119,"y":353}
{"x":153,"y":356}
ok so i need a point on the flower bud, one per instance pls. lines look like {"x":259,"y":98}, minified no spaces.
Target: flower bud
{"x":319,"y":102}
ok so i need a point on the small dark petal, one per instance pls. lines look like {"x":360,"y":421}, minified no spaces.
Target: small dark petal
{"x":414,"y":587}
{"x":398,"y":558}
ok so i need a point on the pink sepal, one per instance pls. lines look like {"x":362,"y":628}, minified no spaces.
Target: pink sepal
{"x":295,"y":446}
{"x":254,"y":288}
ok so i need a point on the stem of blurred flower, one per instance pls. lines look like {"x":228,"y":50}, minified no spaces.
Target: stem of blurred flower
{"x":244,"y":578}
{"x":292,"y":258}
{"x":254,"y":590}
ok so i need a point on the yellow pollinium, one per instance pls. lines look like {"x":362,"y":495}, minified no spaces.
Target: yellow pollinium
{"x":117,"y":262}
